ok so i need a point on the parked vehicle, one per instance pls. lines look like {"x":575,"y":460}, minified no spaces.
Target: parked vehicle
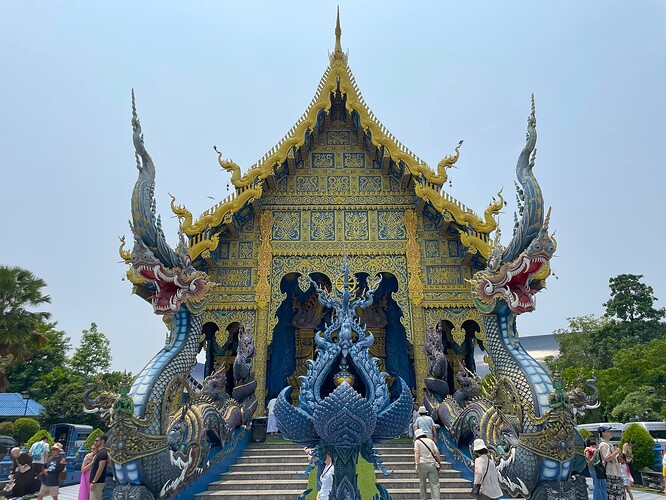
{"x":616,"y":431}
{"x":72,"y":437}
{"x":656,"y":429}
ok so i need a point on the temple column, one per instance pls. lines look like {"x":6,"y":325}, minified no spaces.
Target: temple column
{"x":415,"y":288}
{"x":262,"y":298}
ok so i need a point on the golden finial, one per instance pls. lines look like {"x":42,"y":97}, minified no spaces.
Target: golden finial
{"x":338,"y":55}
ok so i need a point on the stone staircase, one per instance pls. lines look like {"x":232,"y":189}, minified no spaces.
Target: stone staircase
{"x":274,"y":471}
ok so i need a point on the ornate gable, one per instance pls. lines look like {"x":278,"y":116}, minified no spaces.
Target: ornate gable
{"x":337,"y":155}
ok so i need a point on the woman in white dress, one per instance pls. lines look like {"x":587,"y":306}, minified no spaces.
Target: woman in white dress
{"x":271,"y":426}
{"x":326,"y":479}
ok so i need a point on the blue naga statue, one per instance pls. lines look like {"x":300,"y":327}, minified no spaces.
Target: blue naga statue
{"x":344,"y":405}
{"x":157,"y":445}
{"x":525,"y":418}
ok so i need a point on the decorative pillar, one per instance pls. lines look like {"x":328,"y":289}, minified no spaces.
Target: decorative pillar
{"x":262,"y":294}
{"x":415,"y":288}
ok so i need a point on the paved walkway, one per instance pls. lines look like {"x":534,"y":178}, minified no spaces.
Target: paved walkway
{"x":72,"y":493}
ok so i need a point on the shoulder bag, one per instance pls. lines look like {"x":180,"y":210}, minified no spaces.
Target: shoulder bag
{"x":437,"y":464}
{"x":476,"y":489}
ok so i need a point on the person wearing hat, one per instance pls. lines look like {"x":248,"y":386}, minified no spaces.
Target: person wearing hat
{"x":612,"y":487}
{"x":426,"y":424}
{"x":427,"y":462}
{"x":485,"y":472}
{"x":53,"y":467}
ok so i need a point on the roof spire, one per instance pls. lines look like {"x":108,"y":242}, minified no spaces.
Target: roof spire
{"x":338,"y":55}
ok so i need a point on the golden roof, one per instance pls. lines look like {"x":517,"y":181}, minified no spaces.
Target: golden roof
{"x":339,"y":77}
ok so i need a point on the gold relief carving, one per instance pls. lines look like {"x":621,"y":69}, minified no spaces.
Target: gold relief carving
{"x":418,"y":341}
{"x":458,"y":335}
{"x":265,"y":256}
{"x":260,"y":358}
{"x":413,"y":258}
{"x":457,"y":315}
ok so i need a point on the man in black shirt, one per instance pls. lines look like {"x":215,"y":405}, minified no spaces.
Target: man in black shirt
{"x":97,"y":470}
{"x":54,"y":465}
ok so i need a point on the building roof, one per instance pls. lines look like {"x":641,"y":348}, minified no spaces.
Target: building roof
{"x":428,"y":184}
{"x":12,"y":405}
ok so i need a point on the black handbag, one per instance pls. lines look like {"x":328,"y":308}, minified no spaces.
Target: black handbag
{"x":476,"y":488}
{"x":600,"y":470}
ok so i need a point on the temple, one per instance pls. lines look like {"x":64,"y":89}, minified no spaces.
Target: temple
{"x":339,"y":182}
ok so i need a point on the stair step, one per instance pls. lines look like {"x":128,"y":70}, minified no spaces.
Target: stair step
{"x":413,"y":494}
{"x":251,"y":484}
{"x":245,"y":495}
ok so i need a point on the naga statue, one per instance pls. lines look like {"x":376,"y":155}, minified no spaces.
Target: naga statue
{"x":155,"y":443}
{"x":525,"y":419}
{"x":437,"y":388}
{"x":344,"y":405}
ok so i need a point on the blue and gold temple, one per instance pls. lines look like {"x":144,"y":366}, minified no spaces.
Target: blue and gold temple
{"x":339,"y":182}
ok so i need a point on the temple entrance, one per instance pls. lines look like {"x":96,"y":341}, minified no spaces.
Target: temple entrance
{"x":459,"y":347}
{"x":300,"y":316}
{"x":221,"y":348}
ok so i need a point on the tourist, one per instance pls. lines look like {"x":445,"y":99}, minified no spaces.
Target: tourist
{"x":628,"y":450}
{"x":84,"y":486}
{"x":271,"y":426}
{"x":485,"y":472}
{"x":427,"y":462}
{"x":98,"y":468}
{"x":326,"y":479}
{"x":663,"y":467}
{"x":415,"y":415}
{"x":52,"y":469}
{"x":614,"y":488}
{"x":625,"y":474}
{"x":39,"y":451}
{"x":426,"y":424}
{"x":22,"y":481}
{"x":590,"y":448}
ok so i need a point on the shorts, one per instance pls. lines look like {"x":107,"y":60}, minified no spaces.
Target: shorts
{"x":49,"y":490}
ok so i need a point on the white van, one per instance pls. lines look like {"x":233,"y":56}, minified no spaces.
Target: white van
{"x":656,"y":429}
{"x":616,"y":431}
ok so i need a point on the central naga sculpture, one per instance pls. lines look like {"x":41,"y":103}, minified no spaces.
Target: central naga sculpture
{"x":525,"y":418}
{"x":344,"y":405}
{"x":156,"y":444}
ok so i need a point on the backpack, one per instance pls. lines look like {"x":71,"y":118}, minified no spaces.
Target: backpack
{"x":599,"y":467}
{"x":596,"y":457}
{"x":38,"y":450}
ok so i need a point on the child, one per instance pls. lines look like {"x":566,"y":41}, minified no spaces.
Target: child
{"x":627,"y":479}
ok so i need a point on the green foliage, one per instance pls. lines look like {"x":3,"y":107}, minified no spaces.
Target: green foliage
{"x":585,"y":433}
{"x":643,"y":454}
{"x":366,"y":480}
{"x":93,"y":355}
{"x":643,"y":404}
{"x":66,"y":405}
{"x":37,"y":436}
{"x":24,"y":428}
{"x":91,"y":439}
{"x":20,"y":292}
{"x":45,"y":359}
{"x":632,"y":300}
{"x":577,"y":349}
{"x":6,"y":428}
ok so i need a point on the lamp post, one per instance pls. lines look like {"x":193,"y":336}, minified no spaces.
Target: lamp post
{"x":26,"y":396}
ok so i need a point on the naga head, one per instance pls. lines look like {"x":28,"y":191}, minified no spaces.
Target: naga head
{"x":344,"y":399}
{"x":170,"y":279}
{"x":515,"y":273}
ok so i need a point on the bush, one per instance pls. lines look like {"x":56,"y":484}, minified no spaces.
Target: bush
{"x":37,"y":436}
{"x":643,"y":454}
{"x":6,"y":428}
{"x":24,"y":428}
{"x":585,"y":434}
{"x":91,"y":439}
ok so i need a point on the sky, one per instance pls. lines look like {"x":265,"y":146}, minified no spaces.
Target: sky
{"x":239,"y":74}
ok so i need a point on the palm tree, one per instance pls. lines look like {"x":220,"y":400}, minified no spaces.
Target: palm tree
{"x":20,"y":290}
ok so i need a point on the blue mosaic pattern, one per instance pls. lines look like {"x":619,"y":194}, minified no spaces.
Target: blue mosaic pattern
{"x":322,"y":226}
{"x":245,"y":250}
{"x":337,"y":137}
{"x":287,"y":225}
{"x":431,"y":225}
{"x":323,"y":160}
{"x":455,"y":248}
{"x":391,"y":225}
{"x":431,"y":249}
{"x":353,"y":160}
{"x":356,"y":225}
{"x":307,"y":184}
{"x":370,"y":183}
{"x":337,"y":184}
{"x":237,"y":277}
{"x":222,"y":251}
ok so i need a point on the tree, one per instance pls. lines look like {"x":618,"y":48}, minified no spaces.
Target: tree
{"x":45,"y":360}
{"x":19,"y":291}
{"x":577,"y":349}
{"x":643,"y":454}
{"x":38,"y":436}
{"x":632,"y":300}
{"x":643,"y":404}
{"x":66,"y":405}
{"x":24,"y":428}
{"x":93,"y":354}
